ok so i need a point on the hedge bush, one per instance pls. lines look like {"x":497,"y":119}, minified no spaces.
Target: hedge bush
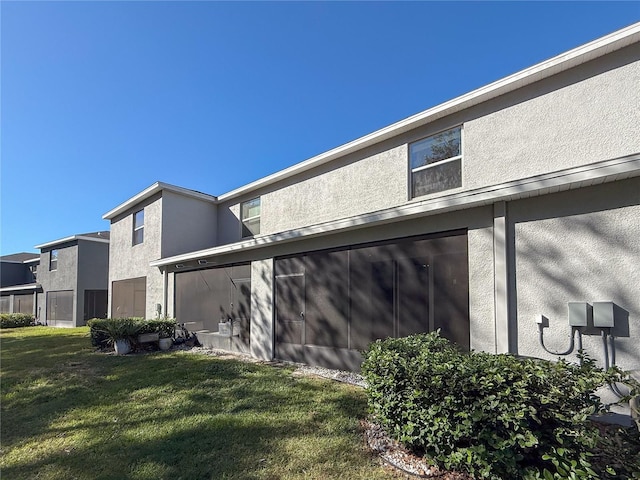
{"x":15,"y":320}
{"x":493,"y":416}
{"x":99,"y":328}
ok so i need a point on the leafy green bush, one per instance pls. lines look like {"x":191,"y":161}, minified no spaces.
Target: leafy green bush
{"x":493,"y":416}
{"x":15,"y":320}
{"x":164,"y":326}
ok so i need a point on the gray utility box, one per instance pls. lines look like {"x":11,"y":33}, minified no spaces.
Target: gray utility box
{"x":580,"y":314}
{"x":603,"y":315}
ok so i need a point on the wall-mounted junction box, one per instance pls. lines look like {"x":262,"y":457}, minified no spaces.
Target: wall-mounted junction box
{"x":580,"y":314}
{"x":603,"y":315}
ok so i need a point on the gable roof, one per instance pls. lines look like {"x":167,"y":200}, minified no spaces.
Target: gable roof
{"x":152,"y":190}
{"x":21,"y":257}
{"x":101,"y":237}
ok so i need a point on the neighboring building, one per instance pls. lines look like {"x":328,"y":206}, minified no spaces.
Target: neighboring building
{"x":65,"y":285}
{"x":476,"y":217}
{"x":18,"y":287}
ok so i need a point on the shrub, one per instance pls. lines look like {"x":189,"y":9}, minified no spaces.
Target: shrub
{"x":103,"y":331}
{"x":97,"y":333}
{"x":15,"y":320}
{"x":493,"y":416}
{"x":164,"y":326}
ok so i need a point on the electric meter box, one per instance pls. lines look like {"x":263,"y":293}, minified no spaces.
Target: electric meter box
{"x":603,"y":315}
{"x":580,"y":314}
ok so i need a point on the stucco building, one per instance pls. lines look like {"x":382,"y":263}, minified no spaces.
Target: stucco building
{"x":478,"y":216}
{"x":65,"y":285}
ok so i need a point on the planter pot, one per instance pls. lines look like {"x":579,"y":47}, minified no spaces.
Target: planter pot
{"x":165,"y":343}
{"x":122,"y":347}
{"x":148,"y":337}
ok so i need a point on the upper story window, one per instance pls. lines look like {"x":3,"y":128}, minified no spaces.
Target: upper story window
{"x":53,"y":259}
{"x":250,"y":216}
{"x":436,"y":163}
{"x":138,"y":227}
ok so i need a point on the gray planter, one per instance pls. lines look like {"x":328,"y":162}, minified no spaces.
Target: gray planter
{"x":122,"y":347}
{"x":165,"y":343}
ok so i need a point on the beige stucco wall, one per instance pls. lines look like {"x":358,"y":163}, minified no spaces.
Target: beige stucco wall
{"x":578,"y":246}
{"x":262,"y":309}
{"x":539,"y":131}
{"x":64,"y":278}
{"x":577,"y":117}
{"x":182,"y":214}
{"x":132,"y":261}
{"x":372,"y":183}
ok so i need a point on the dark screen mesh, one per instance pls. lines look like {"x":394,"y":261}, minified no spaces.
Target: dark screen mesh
{"x":351,"y":297}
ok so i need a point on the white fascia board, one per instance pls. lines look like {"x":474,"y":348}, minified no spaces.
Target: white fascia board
{"x":547,"y":68}
{"x":576,"y":177}
{"x":152,"y":190}
{"x":33,"y":260}
{"x":16,"y":288}
{"x":70,"y":239}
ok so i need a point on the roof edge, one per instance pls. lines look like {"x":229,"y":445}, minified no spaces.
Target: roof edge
{"x":152,"y":190}
{"x":70,"y":239}
{"x":607,"y":170}
{"x":572,"y":58}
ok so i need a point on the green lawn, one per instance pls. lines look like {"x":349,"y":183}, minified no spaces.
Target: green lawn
{"x":71,"y":413}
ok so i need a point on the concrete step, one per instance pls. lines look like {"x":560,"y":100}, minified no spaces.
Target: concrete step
{"x":193,"y":326}
{"x":221,"y":342}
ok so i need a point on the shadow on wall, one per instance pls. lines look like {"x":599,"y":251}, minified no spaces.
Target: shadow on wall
{"x":577,"y":246}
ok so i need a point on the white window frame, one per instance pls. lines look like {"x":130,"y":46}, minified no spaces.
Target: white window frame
{"x":139,"y":228}
{"x":435,"y":164}
{"x":52,"y":253}
{"x":244,"y":221}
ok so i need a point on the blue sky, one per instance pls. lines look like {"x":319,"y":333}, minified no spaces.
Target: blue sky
{"x":101,"y":99}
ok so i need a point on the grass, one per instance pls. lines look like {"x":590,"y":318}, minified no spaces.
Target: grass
{"x":70,"y":412}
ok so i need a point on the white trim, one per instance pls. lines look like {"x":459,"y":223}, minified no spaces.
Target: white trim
{"x":547,"y":68}
{"x":435,"y":164}
{"x":71,"y":238}
{"x":600,"y":172}
{"x":152,"y":190}
{"x":16,"y":288}
{"x":577,"y":56}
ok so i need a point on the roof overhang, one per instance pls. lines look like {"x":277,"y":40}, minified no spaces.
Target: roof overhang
{"x":70,"y":239}
{"x":585,"y":53}
{"x":152,"y":190}
{"x":17,"y":288}
{"x":577,"y":177}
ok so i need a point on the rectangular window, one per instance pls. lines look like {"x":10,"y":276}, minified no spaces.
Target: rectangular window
{"x":138,"y":227}
{"x":250,"y":213}
{"x":436,"y":163}
{"x":53,"y":260}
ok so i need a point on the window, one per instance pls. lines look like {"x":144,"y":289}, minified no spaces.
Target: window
{"x":436,"y":163}
{"x":138,"y":227}
{"x":250,"y":212}
{"x":53,"y":259}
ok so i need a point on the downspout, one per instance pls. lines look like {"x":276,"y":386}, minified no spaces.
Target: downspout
{"x":165,"y":292}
